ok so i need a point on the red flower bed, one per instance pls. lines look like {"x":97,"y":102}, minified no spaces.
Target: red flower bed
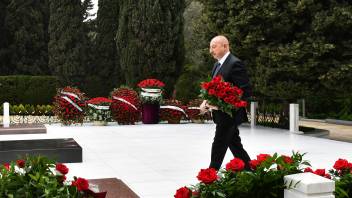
{"x":125,"y":107}
{"x":69,"y":105}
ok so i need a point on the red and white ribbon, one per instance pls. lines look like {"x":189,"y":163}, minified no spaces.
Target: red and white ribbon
{"x":174,"y":108}
{"x":194,"y":108}
{"x":99,"y":107}
{"x":71,"y":102}
{"x":70,"y":94}
{"x":124,"y":101}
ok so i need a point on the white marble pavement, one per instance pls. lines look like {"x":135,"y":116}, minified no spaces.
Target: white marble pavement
{"x":155,"y":160}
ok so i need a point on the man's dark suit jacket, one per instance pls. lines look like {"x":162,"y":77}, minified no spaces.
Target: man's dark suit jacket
{"x":234,"y":71}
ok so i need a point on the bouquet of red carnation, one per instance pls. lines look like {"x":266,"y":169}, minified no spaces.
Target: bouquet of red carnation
{"x":99,"y":109}
{"x":222,"y":94}
{"x":172,"y":111}
{"x":151,"y":91}
{"x":151,"y":83}
{"x":69,"y":105}
{"x":125,"y":106}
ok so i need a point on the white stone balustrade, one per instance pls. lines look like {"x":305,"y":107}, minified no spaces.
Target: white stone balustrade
{"x":308,"y":185}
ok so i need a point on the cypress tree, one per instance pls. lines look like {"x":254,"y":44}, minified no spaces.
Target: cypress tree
{"x":68,"y":41}
{"x":150,"y":40}
{"x":4,"y":69}
{"x":27,"y":36}
{"x":105,"y":74}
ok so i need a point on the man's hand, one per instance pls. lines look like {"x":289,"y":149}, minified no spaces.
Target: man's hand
{"x":203,"y":107}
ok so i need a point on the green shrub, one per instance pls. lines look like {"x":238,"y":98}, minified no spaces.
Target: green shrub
{"x":37,"y":177}
{"x":27,"y":89}
{"x":31,"y":110}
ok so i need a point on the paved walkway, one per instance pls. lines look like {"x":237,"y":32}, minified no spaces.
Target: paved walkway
{"x":336,"y":131}
{"x":156,"y":160}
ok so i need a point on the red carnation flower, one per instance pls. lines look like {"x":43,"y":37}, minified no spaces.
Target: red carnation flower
{"x":341,"y":164}
{"x":21,"y":163}
{"x":287,"y":159}
{"x":62,"y":168}
{"x":320,"y":172}
{"x":262,"y":157}
{"x":7,"y":166}
{"x":235,"y":165}
{"x":183,"y":192}
{"x":81,"y":184}
{"x":254,"y":164}
{"x":207,"y":176}
{"x":308,"y":170}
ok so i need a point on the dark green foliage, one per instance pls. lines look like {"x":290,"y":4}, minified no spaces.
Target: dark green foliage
{"x":293,"y":49}
{"x":27,"y":89}
{"x":105,"y":73}
{"x":68,"y":41}
{"x":26,"y":36}
{"x":4,"y":69}
{"x":188,"y":85}
{"x":150,"y":40}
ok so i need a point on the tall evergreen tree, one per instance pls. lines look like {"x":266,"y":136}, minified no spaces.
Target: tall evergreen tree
{"x":150,"y":40}
{"x":105,"y":73}
{"x":4,"y":69}
{"x":26,"y":24}
{"x":293,"y":49}
{"x":68,"y":41}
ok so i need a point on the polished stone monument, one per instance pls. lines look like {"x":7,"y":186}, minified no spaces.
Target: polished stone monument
{"x":62,"y":150}
{"x":115,"y":188}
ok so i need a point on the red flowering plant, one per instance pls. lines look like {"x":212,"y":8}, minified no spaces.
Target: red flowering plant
{"x":222,"y":94}
{"x":172,"y":111}
{"x":125,"y":106}
{"x":151,"y":91}
{"x":40,"y":177}
{"x":193,"y":111}
{"x":99,"y":109}
{"x":342,"y":175}
{"x":68,"y":105}
{"x":265,"y":179}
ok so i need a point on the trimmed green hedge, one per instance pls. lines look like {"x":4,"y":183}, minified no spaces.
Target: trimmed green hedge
{"x":27,"y":89}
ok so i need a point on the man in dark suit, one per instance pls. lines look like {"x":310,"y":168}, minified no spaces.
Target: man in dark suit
{"x":227,"y":134}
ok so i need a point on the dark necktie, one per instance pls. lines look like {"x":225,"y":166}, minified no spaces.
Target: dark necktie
{"x":217,"y":68}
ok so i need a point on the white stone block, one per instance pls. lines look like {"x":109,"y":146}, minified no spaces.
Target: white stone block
{"x":254,"y":106}
{"x":305,"y":185}
{"x":6,"y":117}
{"x":294,"y":118}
